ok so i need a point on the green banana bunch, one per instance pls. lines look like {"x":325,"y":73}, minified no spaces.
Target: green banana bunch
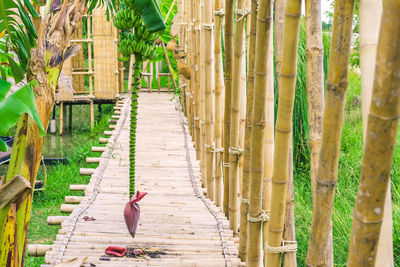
{"x":126,"y":19}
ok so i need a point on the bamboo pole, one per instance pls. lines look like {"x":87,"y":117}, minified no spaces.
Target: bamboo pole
{"x":229,"y":17}
{"x":90,"y":69}
{"x":331,"y":133}
{"x":256,"y":215}
{"x":279,"y":19}
{"x":198,"y":79}
{"x":202,"y":101}
{"x":370,"y":16}
{"x":219,"y":92}
{"x":283,"y":131}
{"x":209,"y":74}
{"x":315,"y":94}
{"x":234,"y":149}
{"x":382,"y":127}
{"x":269,"y":137}
{"x":245,"y":193}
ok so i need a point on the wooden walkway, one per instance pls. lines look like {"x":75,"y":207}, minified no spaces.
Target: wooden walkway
{"x":178,"y":225}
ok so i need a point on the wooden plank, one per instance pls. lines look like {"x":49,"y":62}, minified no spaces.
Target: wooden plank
{"x":98,"y":149}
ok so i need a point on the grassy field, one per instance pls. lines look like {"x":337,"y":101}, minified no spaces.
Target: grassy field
{"x":48,"y":201}
{"x":349,"y":173}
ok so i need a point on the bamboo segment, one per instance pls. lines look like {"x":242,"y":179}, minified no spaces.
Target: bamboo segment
{"x":370,"y":16}
{"x":229,"y":17}
{"x":198,"y":81}
{"x":209,"y":114}
{"x":56,"y":220}
{"x":245,"y":193}
{"x":331,"y":133}
{"x":279,"y":19}
{"x":219,"y":92}
{"x":269,"y":138}
{"x":315,"y":94}
{"x":256,"y":215}
{"x":234,"y":150}
{"x":35,"y":250}
{"x":73,"y":199}
{"x":283,"y":131}
{"x":380,"y":142}
{"x":202,"y":101}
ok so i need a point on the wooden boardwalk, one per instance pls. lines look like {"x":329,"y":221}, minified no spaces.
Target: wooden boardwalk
{"x":178,"y":225}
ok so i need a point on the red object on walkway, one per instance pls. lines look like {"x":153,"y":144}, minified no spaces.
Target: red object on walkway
{"x":116,"y":251}
{"x":132,"y":212}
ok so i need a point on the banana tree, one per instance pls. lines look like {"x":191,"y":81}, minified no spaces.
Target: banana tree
{"x":40,"y":62}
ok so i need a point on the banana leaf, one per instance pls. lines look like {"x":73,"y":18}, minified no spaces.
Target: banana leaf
{"x":150,"y":12}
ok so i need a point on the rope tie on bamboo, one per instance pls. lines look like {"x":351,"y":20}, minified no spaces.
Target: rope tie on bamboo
{"x":243,"y":12}
{"x":202,"y":122}
{"x":236,"y":151}
{"x":262,"y":217}
{"x":245,"y":201}
{"x":287,"y":246}
{"x":196,"y":118}
{"x":218,"y":150}
{"x":212,"y":147}
{"x":220,"y":12}
{"x":208,"y":26}
{"x":226,"y":164}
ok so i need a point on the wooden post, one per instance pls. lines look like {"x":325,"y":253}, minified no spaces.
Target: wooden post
{"x":70,"y":117}
{"x":61,"y":130}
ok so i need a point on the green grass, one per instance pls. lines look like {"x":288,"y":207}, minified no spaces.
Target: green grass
{"x":349,"y":172}
{"x":48,"y":201}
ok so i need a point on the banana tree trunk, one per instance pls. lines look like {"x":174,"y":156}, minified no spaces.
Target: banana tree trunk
{"x":229,"y":17}
{"x":331,"y":133}
{"x":283,"y":130}
{"x":255,"y":215}
{"x":219,"y":93}
{"x":371,"y":242}
{"x":44,"y":67}
{"x":245,"y":192}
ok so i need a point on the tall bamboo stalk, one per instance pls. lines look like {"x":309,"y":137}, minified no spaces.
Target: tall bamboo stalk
{"x":219,"y":92}
{"x":283,"y":130}
{"x":380,"y":142}
{"x":269,"y":136}
{"x":197,"y":76}
{"x":209,"y":74}
{"x":254,"y":256}
{"x":234,"y":149}
{"x":331,"y":133}
{"x":279,"y":20}
{"x":202,"y":100}
{"x":245,"y":193}
{"x":315,"y":94}
{"x":229,"y":17}
{"x":370,"y":17}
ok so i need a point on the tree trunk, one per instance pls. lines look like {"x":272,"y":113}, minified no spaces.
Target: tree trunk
{"x":229,"y":16}
{"x":219,"y":92}
{"x":254,"y":256}
{"x":315,"y":95}
{"x":26,"y":155}
{"x":283,"y":130}
{"x":331,"y":133}
{"x":245,"y":193}
{"x":379,"y":146}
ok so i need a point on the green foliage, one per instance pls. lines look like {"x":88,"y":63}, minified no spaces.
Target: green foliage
{"x":20,"y":102}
